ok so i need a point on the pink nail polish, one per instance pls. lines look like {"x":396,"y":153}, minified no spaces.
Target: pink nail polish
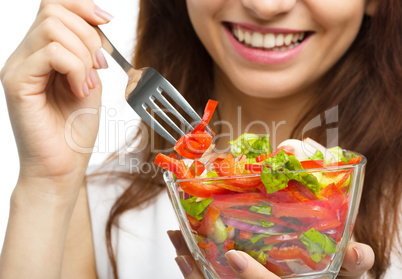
{"x":100,"y":58}
{"x":103,"y":14}
{"x":358,"y":255}
{"x":185,"y":266}
{"x":236,"y":260}
{"x":94,"y":78}
{"x":85,"y":89}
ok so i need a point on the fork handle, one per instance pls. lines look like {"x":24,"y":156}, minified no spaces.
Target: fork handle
{"x":107,"y":45}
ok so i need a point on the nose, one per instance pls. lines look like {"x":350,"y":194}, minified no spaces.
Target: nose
{"x":267,"y":9}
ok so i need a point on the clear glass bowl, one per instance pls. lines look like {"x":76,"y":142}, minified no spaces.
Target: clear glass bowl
{"x":277,"y":238}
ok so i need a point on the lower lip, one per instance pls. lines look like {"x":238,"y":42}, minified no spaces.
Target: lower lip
{"x":261,"y":56}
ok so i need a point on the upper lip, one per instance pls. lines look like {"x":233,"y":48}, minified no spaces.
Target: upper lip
{"x":254,"y":28}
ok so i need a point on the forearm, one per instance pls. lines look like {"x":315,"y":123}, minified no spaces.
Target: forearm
{"x":36,"y":233}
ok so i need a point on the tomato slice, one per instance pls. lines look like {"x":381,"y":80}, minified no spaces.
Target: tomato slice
{"x":293,"y":253}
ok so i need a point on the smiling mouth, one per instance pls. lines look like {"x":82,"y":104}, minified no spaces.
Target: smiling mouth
{"x":267,"y":41}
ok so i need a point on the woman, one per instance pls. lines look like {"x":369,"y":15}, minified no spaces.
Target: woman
{"x":345,"y":58}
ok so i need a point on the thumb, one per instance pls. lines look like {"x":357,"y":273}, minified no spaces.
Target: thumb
{"x":247,"y":267}
{"x":359,"y":258}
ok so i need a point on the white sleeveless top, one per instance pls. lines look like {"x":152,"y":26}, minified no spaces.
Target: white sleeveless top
{"x":142,"y":247}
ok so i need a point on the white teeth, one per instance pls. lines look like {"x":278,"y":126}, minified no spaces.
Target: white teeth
{"x":240,"y":35}
{"x":247,"y":38}
{"x":269,"y":40}
{"x":288,"y":39}
{"x":295,"y":37}
{"x":279,"y":40}
{"x":257,"y":40}
{"x":275,"y":42}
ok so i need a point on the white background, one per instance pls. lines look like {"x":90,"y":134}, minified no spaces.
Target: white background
{"x":15,"y":19}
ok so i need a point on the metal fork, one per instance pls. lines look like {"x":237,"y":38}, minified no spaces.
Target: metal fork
{"x":144,"y":87}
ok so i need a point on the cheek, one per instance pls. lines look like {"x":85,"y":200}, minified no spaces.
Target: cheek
{"x":339,"y":16}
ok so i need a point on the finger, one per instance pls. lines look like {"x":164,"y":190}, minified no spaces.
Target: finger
{"x":188,"y":267}
{"x":53,"y":30}
{"x":178,"y":242}
{"x":80,"y":28}
{"x":246,"y":267}
{"x":53,"y":57}
{"x":359,"y":258}
{"x":85,"y":9}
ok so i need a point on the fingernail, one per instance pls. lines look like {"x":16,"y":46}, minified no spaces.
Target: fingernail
{"x":358,"y":255}
{"x":85,"y":89}
{"x":101,"y":59}
{"x":185,"y":266}
{"x":94,"y":78}
{"x":236,"y":260}
{"x":103,"y":14}
{"x":175,"y":239}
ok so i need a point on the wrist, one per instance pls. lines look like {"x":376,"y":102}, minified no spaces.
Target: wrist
{"x":44,"y":192}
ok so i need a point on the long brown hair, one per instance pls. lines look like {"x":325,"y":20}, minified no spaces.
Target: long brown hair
{"x":365,"y":85}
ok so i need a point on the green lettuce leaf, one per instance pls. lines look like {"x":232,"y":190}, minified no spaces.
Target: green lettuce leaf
{"x":194,"y":208}
{"x":250,"y":145}
{"x":277,"y":176}
{"x":318,"y":245}
{"x":317,"y":156}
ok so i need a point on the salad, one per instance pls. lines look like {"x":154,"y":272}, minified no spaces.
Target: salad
{"x":286,"y":207}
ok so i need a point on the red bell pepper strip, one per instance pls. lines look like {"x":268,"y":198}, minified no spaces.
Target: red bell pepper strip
{"x":299,"y":191}
{"x":194,"y":188}
{"x":355,"y":160}
{"x":210,"y":249}
{"x":194,"y":223}
{"x":254,"y":168}
{"x":293,"y":253}
{"x":281,"y":238}
{"x":341,"y":182}
{"x":243,"y":234}
{"x":228,"y":245}
{"x":334,"y":195}
{"x":207,"y":223}
{"x":256,"y":217}
{"x":197,"y":168}
{"x":229,"y":167}
{"x":244,"y":199}
{"x":302,"y":210}
{"x":194,"y":144}
{"x":312,"y":164}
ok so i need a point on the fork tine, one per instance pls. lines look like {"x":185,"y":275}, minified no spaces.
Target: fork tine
{"x":155,"y":108}
{"x":155,"y":125}
{"x":180,"y":100}
{"x":172,"y":109}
